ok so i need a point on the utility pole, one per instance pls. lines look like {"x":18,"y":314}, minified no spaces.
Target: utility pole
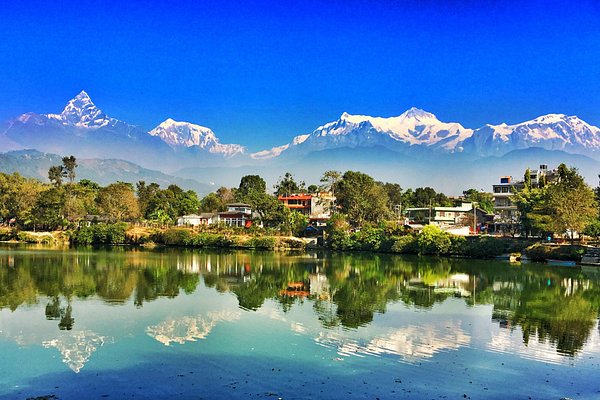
{"x":398,"y":209}
{"x":474,"y":218}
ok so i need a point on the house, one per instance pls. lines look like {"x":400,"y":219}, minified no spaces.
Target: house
{"x":317,"y":206}
{"x":91,"y":219}
{"x":458,"y":220}
{"x":237,"y":214}
{"x":195,"y":220}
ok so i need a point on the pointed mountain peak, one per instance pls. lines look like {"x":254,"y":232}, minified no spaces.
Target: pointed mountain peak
{"x":417,"y":113}
{"x":345,"y":115}
{"x":83,"y":96}
{"x":82,"y":112}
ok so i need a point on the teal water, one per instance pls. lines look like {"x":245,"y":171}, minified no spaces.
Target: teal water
{"x":126,"y":323}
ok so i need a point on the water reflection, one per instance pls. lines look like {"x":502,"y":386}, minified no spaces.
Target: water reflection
{"x":412,"y":343}
{"x":76,"y":348}
{"x":553,"y":307}
{"x":189,"y":329}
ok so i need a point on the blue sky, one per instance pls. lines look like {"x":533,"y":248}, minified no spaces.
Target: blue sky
{"x":259,"y":73}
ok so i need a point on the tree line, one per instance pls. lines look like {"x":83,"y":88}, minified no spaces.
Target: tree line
{"x":32,"y":204}
{"x":566,"y":205}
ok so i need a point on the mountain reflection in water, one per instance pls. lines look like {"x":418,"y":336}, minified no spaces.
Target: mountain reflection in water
{"x":554,"y":307}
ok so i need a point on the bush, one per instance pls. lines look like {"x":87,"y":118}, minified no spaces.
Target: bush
{"x":262,"y":242}
{"x":291,"y":243}
{"x":42,"y":238}
{"x":432,"y":240}
{"x":177,"y":237}
{"x":542,"y":252}
{"x":405,"y":245}
{"x":8,"y":234}
{"x":100,"y":234}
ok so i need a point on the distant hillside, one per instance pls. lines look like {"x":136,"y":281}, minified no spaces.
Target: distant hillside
{"x":35,"y":164}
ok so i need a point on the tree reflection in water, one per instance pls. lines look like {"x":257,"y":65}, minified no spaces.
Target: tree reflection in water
{"x":554,"y":305}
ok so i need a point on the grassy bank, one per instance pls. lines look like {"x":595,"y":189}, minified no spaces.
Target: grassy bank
{"x":431,"y":241}
{"x":227,"y":238}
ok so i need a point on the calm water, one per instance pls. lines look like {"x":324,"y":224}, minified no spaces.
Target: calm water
{"x":122,"y":323}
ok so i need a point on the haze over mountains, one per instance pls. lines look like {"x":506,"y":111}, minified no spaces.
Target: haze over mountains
{"x":413,"y":149}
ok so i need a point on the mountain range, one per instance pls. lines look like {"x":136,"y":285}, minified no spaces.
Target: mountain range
{"x":415,"y":144}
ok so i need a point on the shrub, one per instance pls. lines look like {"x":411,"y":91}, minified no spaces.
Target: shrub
{"x":177,"y":237}
{"x":542,"y":252}
{"x":406,"y":245}
{"x":100,"y":234}
{"x":432,"y":240}
{"x":263,"y":242}
{"x":291,"y":243}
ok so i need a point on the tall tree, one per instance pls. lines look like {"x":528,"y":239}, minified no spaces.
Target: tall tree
{"x":250,"y":184}
{"x":69,"y":165}
{"x":361,"y":198}
{"x":571,"y":202}
{"x":55,"y":174}
{"x":212,"y":203}
{"x":118,"y":203}
{"x":287,"y":185}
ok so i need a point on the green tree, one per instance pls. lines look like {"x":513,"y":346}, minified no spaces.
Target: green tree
{"x":118,"y":203}
{"x":48,"y":210}
{"x":571,"y":202}
{"x":287,"y":185}
{"x":18,"y":196}
{"x":361,"y":198}
{"x":250,"y":184}
{"x":69,"y":165}
{"x":212,"y":203}
{"x":146,"y":194}
{"x":484,"y":200}
{"x":55,"y":174}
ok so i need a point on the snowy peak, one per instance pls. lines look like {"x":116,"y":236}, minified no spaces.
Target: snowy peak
{"x":418,"y":114}
{"x":185,"y":134}
{"x":80,"y":111}
{"x":551,"y":132}
{"x":413,"y":127}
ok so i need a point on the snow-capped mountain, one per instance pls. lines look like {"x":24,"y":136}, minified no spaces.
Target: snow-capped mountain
{"x":185,"y":134}
{"x":414,"y":127}
{"x":82,"y":112}
{"x":84,"y":130}
{"x":550,"y":132}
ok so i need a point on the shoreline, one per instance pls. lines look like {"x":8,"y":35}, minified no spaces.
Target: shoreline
{"x":475,"y":247}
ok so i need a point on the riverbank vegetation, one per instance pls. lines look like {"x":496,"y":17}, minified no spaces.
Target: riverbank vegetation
{"x":364,"y":217}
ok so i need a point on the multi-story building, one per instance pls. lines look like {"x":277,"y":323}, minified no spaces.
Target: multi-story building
{"x":505,"y":210}
{"x":316,"y":207}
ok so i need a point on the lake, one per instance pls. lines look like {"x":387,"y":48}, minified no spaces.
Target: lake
{"x":174,"y":323}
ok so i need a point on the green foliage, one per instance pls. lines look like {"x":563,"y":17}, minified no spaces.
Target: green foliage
{"x":69,"y":165}
{"x":262,"y":242}
{"x":287,"y":185}
{"x":212,"y":203}
{"x":593,"y":229}
{"x":432,"y":240}
{"x":42,"y":238}
{"x":118,"y":203}
{"x":406,"y":245}
{"x":361,"y":198}
{"x":250,"y":184}
{"x":55,"y":174}
{"x":100,"y":234}
{"x":484,"y":200}
{"x":542,"y":252}
{"x":177,"y":237}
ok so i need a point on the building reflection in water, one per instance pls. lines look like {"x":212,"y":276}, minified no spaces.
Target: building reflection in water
{"x":553,"y":307}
